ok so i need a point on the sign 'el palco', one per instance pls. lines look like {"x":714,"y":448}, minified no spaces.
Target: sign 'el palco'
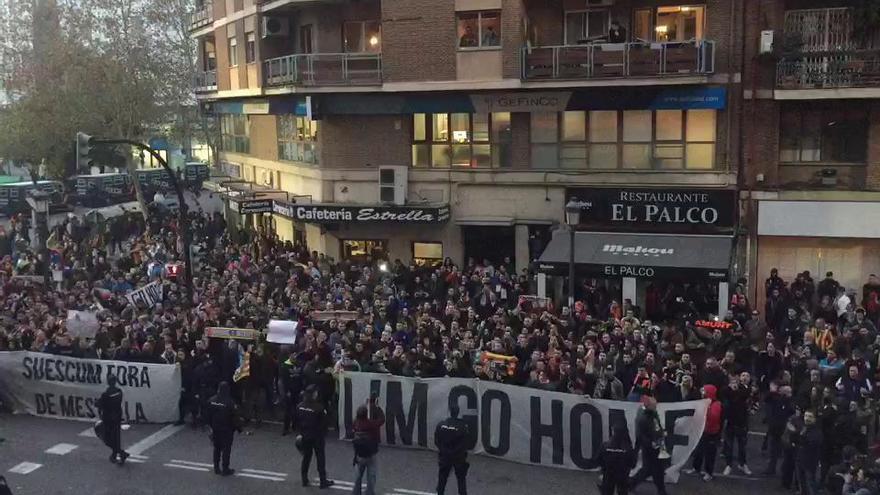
{"x":682,"y":210}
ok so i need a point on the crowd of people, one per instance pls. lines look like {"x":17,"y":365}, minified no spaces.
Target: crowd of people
{"x":805,"y":368}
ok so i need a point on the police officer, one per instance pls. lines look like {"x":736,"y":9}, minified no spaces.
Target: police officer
{"x":617,"y":458}
{"x":110,"y":407}
{"x":451,"y":439}
{"x":649,"y":440}
{"x":312,"y":419}
{"x":207,"y":379}
{"x":292,"y":382}
{"x":224,"y":422}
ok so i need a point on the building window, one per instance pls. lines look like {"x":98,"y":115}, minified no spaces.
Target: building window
{"x":678,"y":23}
{"x":362,"y":37}
{"x":823,"y":134}
{"x":233,"y":52}
{"x":297,"y":139}
{"x":250,"y":48}
{"x":209,"y":55}
{"x":586,"y":26}
{"x":361,"y":250}
{"x":235,"y":133}
{"x":627,"y":139}
{"x":427,"y":253}
{"x":306,"y":39}
{"x":479,"y":29}
{"x":443,"y":140}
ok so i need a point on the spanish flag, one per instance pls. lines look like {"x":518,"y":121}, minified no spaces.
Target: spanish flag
{"x":824,"y":338}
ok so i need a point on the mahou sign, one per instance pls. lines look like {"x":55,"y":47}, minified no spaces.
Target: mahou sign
{"x":661,"y":210}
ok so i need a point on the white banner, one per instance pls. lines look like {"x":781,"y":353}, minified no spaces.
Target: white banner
{"x":147,"y":296}
{"x":515,"y":423}
{"x":282,"y":331}
{"x":83,"y":324}
{"x":68,"y":388}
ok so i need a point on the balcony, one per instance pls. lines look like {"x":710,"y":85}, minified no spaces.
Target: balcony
{"x":206,"y":81}
{"x":324,"y":69}
{"x":202,"y":16}
{"x":830,"y":70}
{"x":618,"y":60}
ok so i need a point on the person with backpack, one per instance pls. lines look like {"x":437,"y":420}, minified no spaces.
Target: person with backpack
{"x":368,"y":420}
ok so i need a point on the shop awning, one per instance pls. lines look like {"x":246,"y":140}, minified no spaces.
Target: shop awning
{"x":607,"y":254}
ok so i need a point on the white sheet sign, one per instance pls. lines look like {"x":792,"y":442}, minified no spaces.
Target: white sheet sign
{"x":147,"y":296}
{"x":82,"y":324}
{"x":282,"y":331}
{"x":61,"y":387}
{"x":515,"y":423}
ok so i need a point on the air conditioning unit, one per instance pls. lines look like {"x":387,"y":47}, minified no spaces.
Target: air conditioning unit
{"x":393,"y":182}
{"x":275,"y":27}
{"x":600,"y":3}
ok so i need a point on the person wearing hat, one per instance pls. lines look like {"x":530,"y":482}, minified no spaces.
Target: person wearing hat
{"x":312,"y":418}
{"x":110,"y":407}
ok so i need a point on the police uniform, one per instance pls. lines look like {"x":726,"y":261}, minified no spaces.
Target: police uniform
{"x":292,"y":379}
{"x":224,"y":422}
{"x":312,"y":419}
{"x":616,"y":458}
{"x":451,"y":438}
{"x":110,"y":406}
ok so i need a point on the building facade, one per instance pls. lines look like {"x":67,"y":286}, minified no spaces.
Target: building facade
{"x":811,"y":150}
{"x":425,"y":129}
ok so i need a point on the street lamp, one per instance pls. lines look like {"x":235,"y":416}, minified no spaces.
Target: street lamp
{"x":39,"y":203}
{"x":572,"y":219}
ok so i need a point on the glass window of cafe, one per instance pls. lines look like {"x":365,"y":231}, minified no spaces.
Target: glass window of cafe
{"x":624,"y":139}
{"x":461,"y":140}
{"x":360,"y":250}
{"x":427,"y":253}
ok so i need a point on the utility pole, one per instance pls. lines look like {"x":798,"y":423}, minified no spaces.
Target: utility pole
{"x":185,"y":234}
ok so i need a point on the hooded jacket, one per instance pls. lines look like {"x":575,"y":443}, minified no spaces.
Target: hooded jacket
{"x":714,"y":414}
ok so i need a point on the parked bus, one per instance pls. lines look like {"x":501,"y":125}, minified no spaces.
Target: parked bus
{"x":13,"y":195}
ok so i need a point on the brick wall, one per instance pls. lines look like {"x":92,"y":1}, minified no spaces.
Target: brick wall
{"x":419,"y":40}
{"x":759,"y":72}
{"x":353,"y":141}
{"x":264,"y":137}
{"x":761,"y":140}
{"x":512,"y":37}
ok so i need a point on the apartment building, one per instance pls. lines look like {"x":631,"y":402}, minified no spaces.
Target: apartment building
{"x":425,"y":129}
{"x":811,"y":177}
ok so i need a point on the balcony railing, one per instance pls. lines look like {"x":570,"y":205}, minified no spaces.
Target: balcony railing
{"x":202,"y":16}
{"x":618,"y":60}
{"x":317,"y":69}
{"x":857,"y":69}
{"x":206,"y":81}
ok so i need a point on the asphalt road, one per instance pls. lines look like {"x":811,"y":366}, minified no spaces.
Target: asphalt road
{"x":48,"y":456}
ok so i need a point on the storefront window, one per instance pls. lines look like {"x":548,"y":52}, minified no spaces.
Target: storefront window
{"x":479,"y":29}
{"x":427,"y":253}
{"x":819,"y":133}
{"x":461,"y":140}
{"x":360,"y":250}
{"x":297,"y":139}
{"x":624,"y":139}
{"x":235,"y":133}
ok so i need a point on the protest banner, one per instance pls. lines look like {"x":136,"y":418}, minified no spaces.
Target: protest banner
{"x":69,"y":388}
{"x":333,"y":315}
{"x":232,"y":333}
{"x":147,"y":296}
{"x":83,"y":324}
{"x":510,"y":422}
{"x":282,"y":331}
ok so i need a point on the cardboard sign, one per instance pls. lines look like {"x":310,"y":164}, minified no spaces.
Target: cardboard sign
{"x":233,"y":333}
{"x":282,"y":331}
{"x":333,"y":315}
{"x":83,"y":324}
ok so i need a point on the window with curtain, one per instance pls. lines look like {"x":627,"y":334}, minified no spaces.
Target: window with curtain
{"x":461,"y":140}
{"x":480,"y":29}
{"x":624,"y":139}
{"x":297,"y":139}
{"x":233,"y":52}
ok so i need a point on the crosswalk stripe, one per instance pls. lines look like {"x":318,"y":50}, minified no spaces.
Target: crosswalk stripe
{"x":268,"y":473}
{"x":135,"y":456}
{"x":90,"y":432}
{"x":153,"y":440}
{"x":191,"y":463}
{"x":61,"y":449}
{"x":412,"y":492}
{"x":136,"y":461}
{"x":25,"y":468}
{"x":192,"y":468}
{"x":261,"y":477}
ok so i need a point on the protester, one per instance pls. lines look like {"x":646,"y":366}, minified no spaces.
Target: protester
{"x":650,"y":439}
{"x":365,"y":440}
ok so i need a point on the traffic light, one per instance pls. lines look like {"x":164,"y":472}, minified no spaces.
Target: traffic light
{"x":84,"y":147}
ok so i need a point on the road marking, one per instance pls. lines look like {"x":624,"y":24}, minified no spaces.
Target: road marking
{"x":136,"y":461}
{"x":339,"y":482}
{"x":61,"y":449}
{"x":192,"y":468}
{"x":135,"y":456}
{"x":25,"y":468}
{"x":267,"y":473}
{"x":341,"y":487}
{"x":90,"y":432}
{"x":412,"y":492}
{"x":154,"y":439}
{"x":261,"y":477}
{"x":191,"y":463}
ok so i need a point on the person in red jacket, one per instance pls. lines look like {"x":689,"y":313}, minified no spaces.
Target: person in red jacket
{"x":704,"y":455}
{"x":368,"y":421}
